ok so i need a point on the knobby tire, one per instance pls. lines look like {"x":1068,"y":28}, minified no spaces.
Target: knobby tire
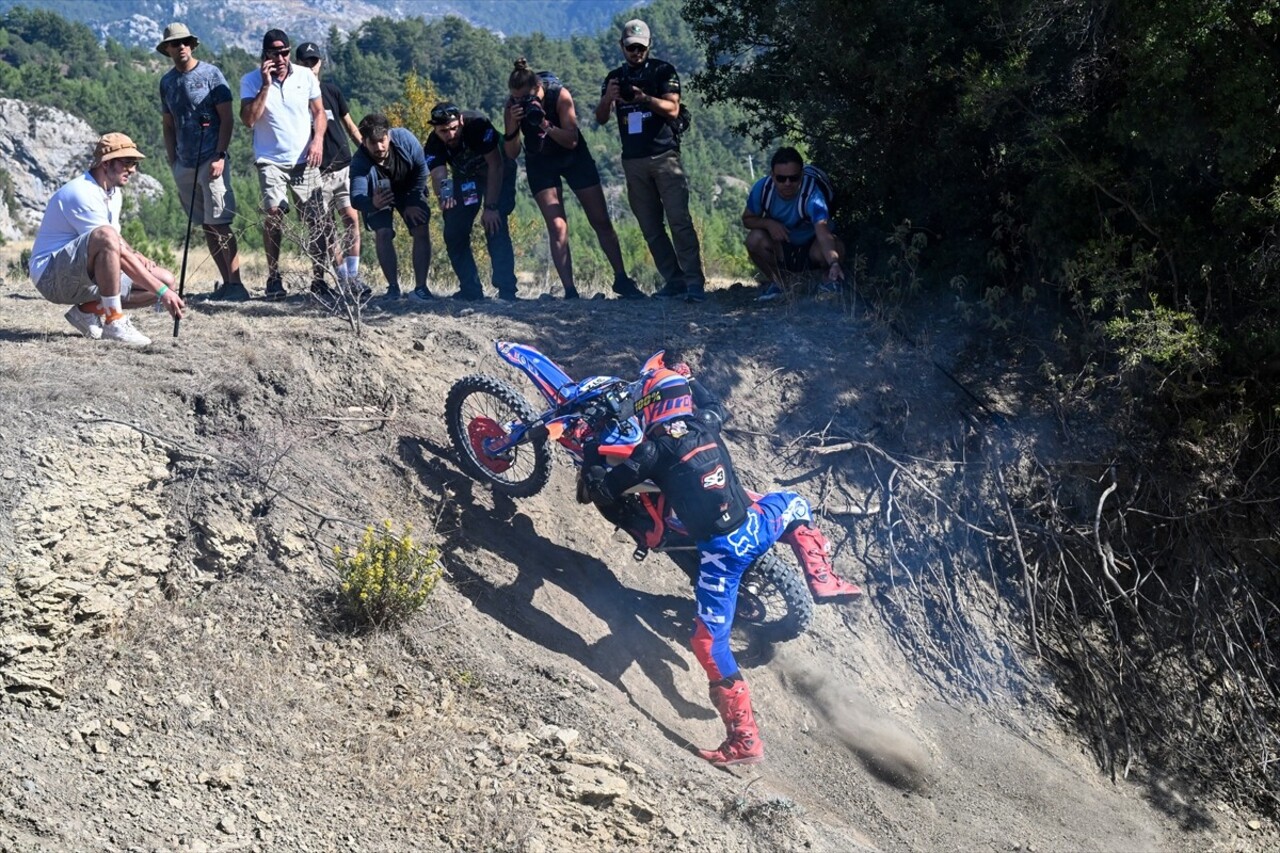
{"x":479,"y":395}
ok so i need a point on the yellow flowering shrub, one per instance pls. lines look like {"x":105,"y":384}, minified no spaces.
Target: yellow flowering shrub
{"x":388,"y":576}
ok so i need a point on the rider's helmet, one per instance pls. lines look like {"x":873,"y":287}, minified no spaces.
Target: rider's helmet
{"x":663,"y":395}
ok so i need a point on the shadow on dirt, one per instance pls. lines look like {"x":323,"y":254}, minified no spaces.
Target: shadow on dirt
{"x":12,"y":337}
{"x":641,"y":626}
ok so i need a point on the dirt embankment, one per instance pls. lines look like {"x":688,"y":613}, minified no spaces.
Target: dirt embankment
{"x":176,"y":677}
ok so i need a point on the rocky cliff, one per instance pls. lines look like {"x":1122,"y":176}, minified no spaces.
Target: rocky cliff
{"x":42,"y":148}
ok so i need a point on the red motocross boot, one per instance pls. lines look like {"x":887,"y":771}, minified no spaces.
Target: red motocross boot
{"x":811,"y":549}
{"x":743,"y":744}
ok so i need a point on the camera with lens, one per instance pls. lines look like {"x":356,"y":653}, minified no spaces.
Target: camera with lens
{"x":627,"y":90}
{"x":534,"y":114}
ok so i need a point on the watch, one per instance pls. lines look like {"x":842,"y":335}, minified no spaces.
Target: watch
{"x":221,"y":155}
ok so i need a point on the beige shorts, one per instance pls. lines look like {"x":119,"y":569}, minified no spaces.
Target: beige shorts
{"x":65,"y":281}
{"x":337,"y":189}
{"x":215,"y":203}
{"x":301,"y":181}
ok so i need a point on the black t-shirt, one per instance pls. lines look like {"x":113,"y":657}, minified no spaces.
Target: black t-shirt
{"x":645,"y":133}
{"x":398,"y":170}
{"x":478,"y":138}
{"x":337,"y":153}
{"x":539,"y":147}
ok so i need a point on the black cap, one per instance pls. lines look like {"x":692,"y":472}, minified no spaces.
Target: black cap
{"x":445,"y":113}
{"x":308,"y":50}
{"x":269,"y":41}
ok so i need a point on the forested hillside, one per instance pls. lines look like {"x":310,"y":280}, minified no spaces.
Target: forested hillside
{"x":47,"y":59}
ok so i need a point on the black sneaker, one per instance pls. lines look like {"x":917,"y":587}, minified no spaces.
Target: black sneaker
{"x":695,"y":296}
{"x":421,"y":294}
{"x":469,"y":297}
{"x":393,"y":293}
{"x":275,"y":290}
{"x":508,"y":296}
{"x":232,"y":292}
{"x":626,"y":288}
{"x":571,"y":293}
{"x":321,"y":288}
{"x":671,"y":291}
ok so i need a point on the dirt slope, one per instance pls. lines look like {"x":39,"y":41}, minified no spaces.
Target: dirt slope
{"x":176,"y":676}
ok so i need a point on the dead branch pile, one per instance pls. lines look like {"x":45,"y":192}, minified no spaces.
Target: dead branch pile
{"x":1152,"y":605}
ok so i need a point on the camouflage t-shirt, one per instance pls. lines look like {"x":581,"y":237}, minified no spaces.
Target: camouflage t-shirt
{"x":189,"y":98}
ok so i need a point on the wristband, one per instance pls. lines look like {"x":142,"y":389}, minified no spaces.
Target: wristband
{"x":512,"y":135}
{"x":492,"y":207}
{"x":164,"y":288}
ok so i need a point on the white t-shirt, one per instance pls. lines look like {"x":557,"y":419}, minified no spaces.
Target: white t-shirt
{"x":281,"y":135}
{"x":78,"y":207}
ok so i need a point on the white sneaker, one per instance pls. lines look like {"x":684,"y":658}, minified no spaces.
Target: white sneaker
{"x":87,"y":323}
{"x":122,"y":330}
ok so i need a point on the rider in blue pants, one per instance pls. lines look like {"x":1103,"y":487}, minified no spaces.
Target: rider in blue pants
{"x":683,"y":454}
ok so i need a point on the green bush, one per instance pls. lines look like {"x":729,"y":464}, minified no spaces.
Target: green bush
{"x":388,"y":577}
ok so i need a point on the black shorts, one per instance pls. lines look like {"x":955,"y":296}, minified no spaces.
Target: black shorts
{"x":796,"y":258}
{"x":380,"y":219}
{"x":577,"y":167}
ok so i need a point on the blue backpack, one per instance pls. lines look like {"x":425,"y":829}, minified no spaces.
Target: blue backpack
{"x":814,"y":180}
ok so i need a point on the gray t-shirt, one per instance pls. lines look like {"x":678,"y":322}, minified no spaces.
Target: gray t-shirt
{"x":188,"y":97}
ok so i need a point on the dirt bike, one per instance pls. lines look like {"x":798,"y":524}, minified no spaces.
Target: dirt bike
{"x":502,"y":442}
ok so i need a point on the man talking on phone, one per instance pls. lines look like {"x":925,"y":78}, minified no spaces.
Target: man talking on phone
{"x":283,"y":107}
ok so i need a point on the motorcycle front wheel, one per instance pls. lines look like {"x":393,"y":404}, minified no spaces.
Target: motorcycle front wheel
{"x":480,"y":409}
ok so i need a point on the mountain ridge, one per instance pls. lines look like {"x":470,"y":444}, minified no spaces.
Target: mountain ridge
{"x":239,"y":23}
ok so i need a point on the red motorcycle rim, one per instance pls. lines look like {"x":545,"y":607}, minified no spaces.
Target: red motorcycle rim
{"x":478,"y":431}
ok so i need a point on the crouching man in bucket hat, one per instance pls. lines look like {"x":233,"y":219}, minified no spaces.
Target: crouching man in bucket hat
{"x":80,"y":259}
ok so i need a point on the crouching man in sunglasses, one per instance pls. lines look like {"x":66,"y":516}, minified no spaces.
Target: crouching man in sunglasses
{"x":788,"y":222}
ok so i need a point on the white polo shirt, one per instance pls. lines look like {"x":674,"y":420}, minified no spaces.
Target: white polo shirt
{"x":281,"y":135}
{"x":78,"y":207}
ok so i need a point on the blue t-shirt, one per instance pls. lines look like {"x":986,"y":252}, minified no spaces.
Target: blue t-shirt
{"x":799,"y":224}
{"x":188,"y":96}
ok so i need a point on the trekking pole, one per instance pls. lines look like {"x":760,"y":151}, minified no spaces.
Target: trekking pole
{"x":205,"y":121}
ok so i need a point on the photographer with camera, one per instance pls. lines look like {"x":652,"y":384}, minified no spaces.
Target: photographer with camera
{"x":541,"y":110}
{"x":645,"y":93}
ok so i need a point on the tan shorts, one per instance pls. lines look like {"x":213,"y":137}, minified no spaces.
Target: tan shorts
{"x":301,"y":181}
{"x":65,"y":281}
{"x":337,"y":189}
{"x":215,"y":203}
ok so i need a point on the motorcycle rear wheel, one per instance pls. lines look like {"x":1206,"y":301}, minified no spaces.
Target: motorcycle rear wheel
{"x":481,"y":407}
{"x":774,"y":603}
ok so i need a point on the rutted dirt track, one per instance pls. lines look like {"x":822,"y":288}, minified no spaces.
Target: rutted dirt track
{"x":176,"y":675}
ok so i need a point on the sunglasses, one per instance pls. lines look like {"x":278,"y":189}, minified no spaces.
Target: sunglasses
{"x":787,"y":179}
{"x":278,"y":54}
{"x":636,"y":47}
{"x":446,"y":116}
